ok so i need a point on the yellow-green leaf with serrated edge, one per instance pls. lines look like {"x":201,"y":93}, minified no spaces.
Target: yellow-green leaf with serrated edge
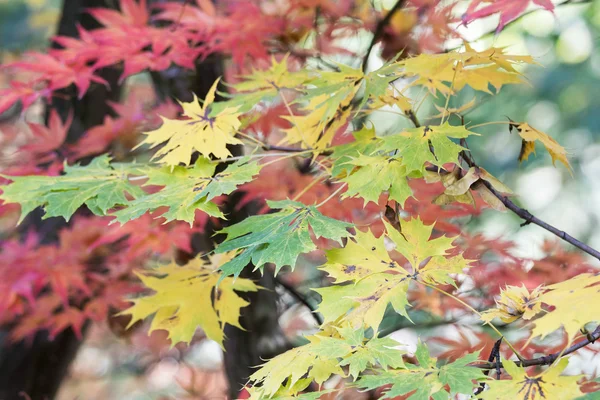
{"x":185,"y":299}
{"x":187,"y":189}
{"x":203,"y":132}
{"x":548,"y":385}
{"x":279,"y":237}
{"x":571,"y":300}
{"x":260,"y":85}
{"x":324,"y":356}
{"x":326,"y":107}
{"x":452,"y":71}
{"x":374,"y":175}
{"x":377,"y":280}
{"x":427,"y":380}
{"x":100,"y":185}
{"x":365,"y":143}
{"x":430,"y":143}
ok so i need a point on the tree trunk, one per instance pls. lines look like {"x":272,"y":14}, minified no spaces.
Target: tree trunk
{"x":36,"y":369}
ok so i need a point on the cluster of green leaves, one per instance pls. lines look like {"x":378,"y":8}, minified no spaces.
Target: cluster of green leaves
{"x":368,"y":273}
{"x":109,"y":189}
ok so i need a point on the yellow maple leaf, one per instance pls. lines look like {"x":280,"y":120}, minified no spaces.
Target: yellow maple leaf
{"x":377,"y":280}
{"x":187,"y":298}
{"x":493,"y":55}
{"x":549,"y":385}
{"x":315,"y":129}
{"x":391,"y":98}
{"x":202,"y":131}
{"x":572,"y":300}
{"x":450,"y":72}
{"x":530,"y":135}
{"x":515,"y":302}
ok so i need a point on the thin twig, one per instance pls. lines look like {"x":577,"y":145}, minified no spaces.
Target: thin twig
{"x":528,"y":217}
{"x":301,"y":299}
{"x":379,"y":31}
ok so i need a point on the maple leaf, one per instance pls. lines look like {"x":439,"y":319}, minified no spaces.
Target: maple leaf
{"x":186,"y":190}
{"x":183,"y":291}
{"x":508,"y":10}
{"x":515,"y":302}
{"x":326,"y":104}
{"x":549,"y":385}
{"x":531,"y":135}
{"x":260,"y":85}
{"x":376,"y":174}
{"x":571,"y":300}
{"x":376,"y":280}
{"x":365,"y":142}
{"x":324,"y":356}
{"x":100,"y":185}
{"x":47,"y":138}
{"x":132,"y":14}
{"x":278,"y":238}
{"x":202,"y":132}
{"x":23,"y":91}
{"x":427,"y":380}
{"x":459,"y":69}
{"x":378,"y":88}
{"x":432,"y":144}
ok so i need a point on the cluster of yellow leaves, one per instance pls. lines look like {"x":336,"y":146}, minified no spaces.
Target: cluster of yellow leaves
{"x":375,"y":280}
{"x":325,"y":354}
{"x":548,"y":385}
{"x":187,"y":297}
{"x":450,"y":72}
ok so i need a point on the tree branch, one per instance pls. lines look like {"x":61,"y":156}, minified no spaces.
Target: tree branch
{"x":526,"y":215}
{"x":550,"y":358}
{"x":379,"y":31}
{"x":301,"y":299}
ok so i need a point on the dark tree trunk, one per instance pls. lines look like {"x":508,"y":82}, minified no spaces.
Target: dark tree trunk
{"x":37,"y":369}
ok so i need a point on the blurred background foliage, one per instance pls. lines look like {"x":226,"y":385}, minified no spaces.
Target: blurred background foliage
{"x":562,"y":100}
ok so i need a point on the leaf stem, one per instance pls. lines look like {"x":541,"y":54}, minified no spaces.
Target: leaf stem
{"x":307,"y":188}
{"x":526,"y":215}
{"x":490,"y":123}
{"x":332,"y":195}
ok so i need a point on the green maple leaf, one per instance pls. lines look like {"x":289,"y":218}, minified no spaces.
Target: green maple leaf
{"x":377,"y":281}
{"x":415,"y":145}
{"x":427,"y":380}
{"x":100,"y":185}
{"x":376,"y":174}
{"x":377,"y":83}
{"x":186,"y":190}
{"x":278,"y":238}
{"x":365,"y":142}
{"x":262,"y":85}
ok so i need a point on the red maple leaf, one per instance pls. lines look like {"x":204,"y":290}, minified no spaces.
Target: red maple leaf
{"x":46,"y":139}
{"x":508,"y":10}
